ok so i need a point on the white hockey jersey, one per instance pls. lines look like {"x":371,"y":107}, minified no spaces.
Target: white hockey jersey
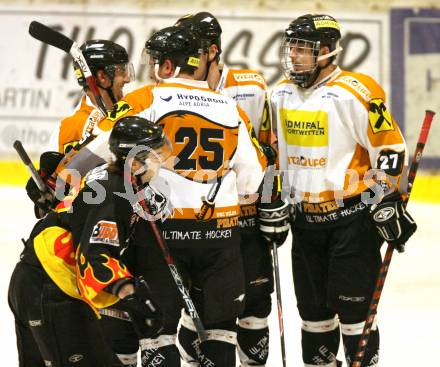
{"x":329,"y":138}
{"x":210,"y":143}
{"x":248,"y":88}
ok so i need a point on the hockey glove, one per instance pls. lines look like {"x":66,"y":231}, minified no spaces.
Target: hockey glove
{"x":394,"y":224}
{"x":146,"y":318}
{"x":274,"y":221}
{"x":43,"y":202}
{"x":270,"y":153}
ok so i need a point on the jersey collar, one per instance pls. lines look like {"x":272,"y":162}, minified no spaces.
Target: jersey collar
{"x":333,"y":75}
{"x":223,"y":76}
{"x":190,"y":82}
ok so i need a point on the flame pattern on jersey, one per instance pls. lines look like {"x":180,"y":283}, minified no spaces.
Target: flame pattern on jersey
{"x":93,"y":280}
{"x":54,"y":248}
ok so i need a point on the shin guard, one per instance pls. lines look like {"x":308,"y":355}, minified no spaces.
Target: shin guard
{"x":129,"y":360}
{"x":160,"y":351}
{"x":320,"y":342}
{"x":253,"y":341}
{"x":351,"y":334}
{"x":218,"y":350}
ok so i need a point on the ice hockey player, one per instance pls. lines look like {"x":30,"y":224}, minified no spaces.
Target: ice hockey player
{"x":109,"y":64}
{"x":334,"y":127}
{"x":248,"y":89}
{"x":111,"y":69}
{"x":54,"y":326}
{"x":211,"y":144}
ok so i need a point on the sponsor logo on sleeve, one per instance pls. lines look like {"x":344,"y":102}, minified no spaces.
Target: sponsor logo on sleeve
{"x":356,"y":85}
{"x":119,"y":109}
{"x":379,"y":116}
{"x":105,"y":233}
{"x":249,"y":77}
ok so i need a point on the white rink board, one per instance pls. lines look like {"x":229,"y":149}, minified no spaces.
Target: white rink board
{"x":408,"y":312}
{"x":38,"y":86}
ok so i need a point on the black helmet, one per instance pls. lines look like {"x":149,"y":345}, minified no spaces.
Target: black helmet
{"x":309,"y":32}
{"x":101,"y":55}
{"x":205,"y":26}
{"x":176,"y":43}
{"x":132,"y":131}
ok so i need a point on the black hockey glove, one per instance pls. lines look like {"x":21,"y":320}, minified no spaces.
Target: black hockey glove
{"x":274,"y":221}
{"x":43,"y":202}
{"x":146,"y":318}
{"x":270,"y":153}
{"x":394,"y":224}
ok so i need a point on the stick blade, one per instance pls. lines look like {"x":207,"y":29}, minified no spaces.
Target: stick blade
{"x":50,"y":36}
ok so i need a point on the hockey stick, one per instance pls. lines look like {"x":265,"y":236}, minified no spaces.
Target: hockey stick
{"x":267,"y":135}
{"x":207,"y":209}
{"x":279,"y":300}
{"x":18,"y":146}
{"x":54,"y":38}
{"x":190,"y":307}
{"x":372,"y":311}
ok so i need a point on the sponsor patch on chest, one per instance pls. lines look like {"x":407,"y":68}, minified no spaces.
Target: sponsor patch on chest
{"x":305,"y":128}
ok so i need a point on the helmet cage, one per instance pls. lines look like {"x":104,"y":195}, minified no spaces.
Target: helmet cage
{"x":299,"y":73}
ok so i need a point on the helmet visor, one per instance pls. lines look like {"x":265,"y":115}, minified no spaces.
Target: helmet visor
{"x":125,"y":70}
{"x":154,"y":158}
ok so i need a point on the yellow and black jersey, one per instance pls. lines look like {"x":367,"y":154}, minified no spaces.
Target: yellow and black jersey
{"x":99,"y":220}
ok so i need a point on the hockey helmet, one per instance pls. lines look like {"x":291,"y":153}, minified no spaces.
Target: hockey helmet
{"x":176,"y":43}
{"x":134,"y":131}
{"x":308,"y":33}
{"x":205,"y":26}
{"x":104,"y":55}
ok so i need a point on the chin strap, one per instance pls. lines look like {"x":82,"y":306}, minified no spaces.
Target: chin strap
{"x":330,"y":54}
{"x":315,"y":73}
{"x":208,"y":66}
{"x":108,"y":89}
{"x":110,"y":93}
